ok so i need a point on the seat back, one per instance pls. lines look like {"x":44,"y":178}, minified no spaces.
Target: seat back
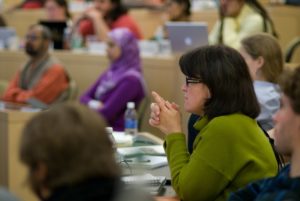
{"x":72,"y":90}
{"x":69,"y":94}
{"x":142,"y":110}
{"x":294,"y":44}
{"x":3,"y":86}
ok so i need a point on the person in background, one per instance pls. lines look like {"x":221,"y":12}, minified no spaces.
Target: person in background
{"x":177,"y":11}
{"x":264,"y":58}
{"x":57,"y":10}
{"x":122,"y":82}
{"x":104,"y":16}
{"x":6,"y":195}
{"x":42,"y":77}
{"x":70,"y":157}
{"x":230,"y":150}
{"x":28,"y":4}
{"x":238,"y":19}
{"x":286,"y":185}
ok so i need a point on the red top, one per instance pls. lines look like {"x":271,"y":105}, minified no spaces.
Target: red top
{"x":32,"y":5}
{"x":52,"y":84}
{"x":86,"y":26}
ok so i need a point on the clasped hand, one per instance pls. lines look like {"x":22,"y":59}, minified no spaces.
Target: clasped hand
{"x":165,"y":115}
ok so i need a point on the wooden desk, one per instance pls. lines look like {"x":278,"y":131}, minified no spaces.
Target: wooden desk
{"x":162,"y":74}
{"x":12,"y":172}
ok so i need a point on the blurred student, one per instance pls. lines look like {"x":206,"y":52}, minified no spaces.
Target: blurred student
{"x":70,"y":157}
{"x":57,"y":10}
{"x":238,"y":19}
{"x":230,"y":150}
{"x":264,"y":58}
{"x":28,"y":4}
{"x":58,"y":20}
{"x":177,"y":11}
{"x":105,"y":15}
{"x":42,"y":77}
{"x":122,"y":82}
{"x":286,"y":185}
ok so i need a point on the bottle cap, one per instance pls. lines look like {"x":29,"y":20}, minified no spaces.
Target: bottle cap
{"x":130,"y":105}
{"x":109,"y":130}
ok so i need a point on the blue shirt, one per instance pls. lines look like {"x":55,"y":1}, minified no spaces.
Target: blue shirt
{"x":269,"y":100}
{"x":278,"y":188}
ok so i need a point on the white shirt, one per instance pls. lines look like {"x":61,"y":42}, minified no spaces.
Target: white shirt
{"x":269,"y":100}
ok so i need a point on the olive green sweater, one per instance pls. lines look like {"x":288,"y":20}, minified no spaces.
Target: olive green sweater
{"x":229,"y":152}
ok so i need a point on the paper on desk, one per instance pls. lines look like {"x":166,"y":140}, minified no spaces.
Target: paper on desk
{"x":121,"y":139}
{"x":154,"y":150}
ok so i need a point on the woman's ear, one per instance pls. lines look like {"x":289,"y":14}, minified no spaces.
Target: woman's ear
{"x":260,"y":62}
{"x":208,"y":93}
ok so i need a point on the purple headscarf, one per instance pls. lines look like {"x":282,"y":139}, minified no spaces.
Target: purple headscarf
{"x":129,"y":63}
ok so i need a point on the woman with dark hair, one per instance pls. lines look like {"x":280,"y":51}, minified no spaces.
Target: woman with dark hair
{"x":104,"y":16}
{"x":238,"y":19}
{"x":57,"y":10}
{"x":177,"y":11}
{"x":230,"y":150}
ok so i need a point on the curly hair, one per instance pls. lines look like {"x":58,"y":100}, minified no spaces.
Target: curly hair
{"x":290,"y":86}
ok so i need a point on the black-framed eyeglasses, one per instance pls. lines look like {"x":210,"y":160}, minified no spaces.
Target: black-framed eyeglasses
{"x":189,"y":80}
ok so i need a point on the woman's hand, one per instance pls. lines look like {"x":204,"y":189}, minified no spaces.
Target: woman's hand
{"x":95,"y":104}
{"x":165,"y":115}
{"x":93,"y":14}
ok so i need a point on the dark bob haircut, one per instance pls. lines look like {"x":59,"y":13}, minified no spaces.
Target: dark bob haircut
{"x":223,"y":70}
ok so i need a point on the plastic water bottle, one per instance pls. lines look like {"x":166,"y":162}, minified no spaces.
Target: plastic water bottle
{"x":76,"y":40}
{"x":131,"y":120}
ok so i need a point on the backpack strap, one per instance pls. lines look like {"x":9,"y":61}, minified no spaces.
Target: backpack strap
{"x":278,"y":156}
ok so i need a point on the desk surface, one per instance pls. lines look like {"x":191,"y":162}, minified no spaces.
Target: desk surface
{"x":160,"y":171}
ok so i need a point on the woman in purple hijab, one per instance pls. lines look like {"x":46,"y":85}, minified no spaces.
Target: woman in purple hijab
{"x":122,"y":82}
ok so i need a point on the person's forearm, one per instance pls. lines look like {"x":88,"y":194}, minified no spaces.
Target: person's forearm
{"x":101,"y":29}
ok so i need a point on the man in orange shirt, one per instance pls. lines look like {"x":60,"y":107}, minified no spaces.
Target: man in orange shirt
{"x":42,"y":77}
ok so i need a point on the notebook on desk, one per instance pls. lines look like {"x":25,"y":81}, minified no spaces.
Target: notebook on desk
{"x":148,"y":182}
{"x":154,"y":150}
{"x":146,"y":162}
{"x":185,"y":36}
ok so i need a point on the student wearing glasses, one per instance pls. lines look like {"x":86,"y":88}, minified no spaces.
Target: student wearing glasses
{"x":230,"y":150}
{"x":42,"y":77}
